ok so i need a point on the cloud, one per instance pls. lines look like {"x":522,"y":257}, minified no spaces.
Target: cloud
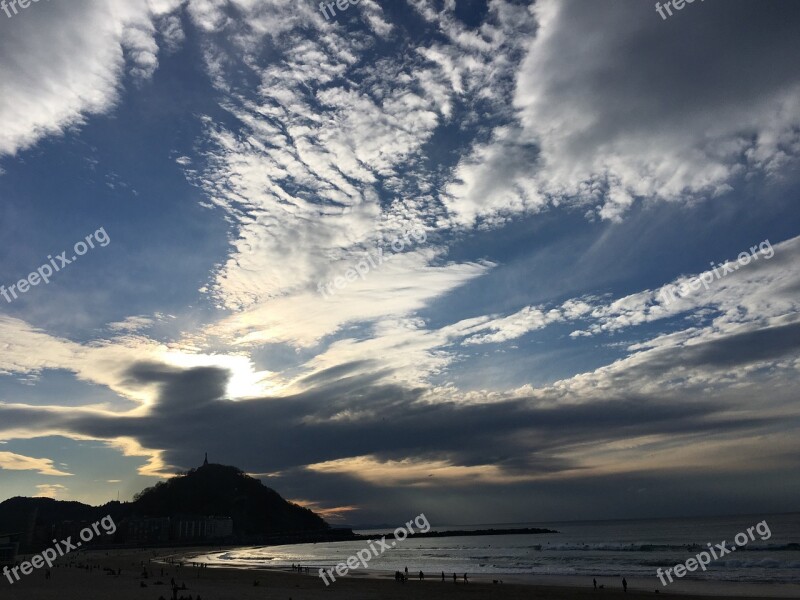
{"x":346,"y":421}
{"x":54,"y":491}
{"x":615,"y":107}
{"x":332,"y":513}
{"x":338,"y":143}
{"x":303,"y":176}
{"x":17,"y":462}
{"x":749,"y":298}
{"x":65,"y":62}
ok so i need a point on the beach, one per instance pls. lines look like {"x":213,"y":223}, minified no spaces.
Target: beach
{"x":72,"y":582}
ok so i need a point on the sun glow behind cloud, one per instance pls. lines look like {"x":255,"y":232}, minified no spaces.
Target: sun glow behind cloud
{"x":315,"y":145}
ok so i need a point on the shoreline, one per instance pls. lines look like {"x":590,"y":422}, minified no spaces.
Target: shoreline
{"x":683,"y":588}
{"x":83,"y":575}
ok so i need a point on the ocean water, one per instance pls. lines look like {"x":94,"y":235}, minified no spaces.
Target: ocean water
{"x":634,"y":549}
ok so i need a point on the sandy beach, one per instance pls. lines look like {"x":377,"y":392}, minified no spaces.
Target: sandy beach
{"x":73,"y":582}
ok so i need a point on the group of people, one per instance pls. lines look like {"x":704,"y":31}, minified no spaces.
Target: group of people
{"x":455,"y":579}
{"x":300,"y":568}
{"x":403,"y":577}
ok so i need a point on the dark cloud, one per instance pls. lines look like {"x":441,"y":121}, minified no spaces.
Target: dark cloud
{"x":357,"y":416}
{"x":734,"y":350}
{"x":744,"y":348}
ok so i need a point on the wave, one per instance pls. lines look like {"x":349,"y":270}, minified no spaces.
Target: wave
{"x":645,"y":547}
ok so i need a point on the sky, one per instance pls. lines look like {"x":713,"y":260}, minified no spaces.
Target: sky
{"x":494,"y":261}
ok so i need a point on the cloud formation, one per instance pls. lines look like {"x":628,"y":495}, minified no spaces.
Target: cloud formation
{"x":616,"y":106}
{"x":62,"y":63}
{"x":16,"y":462}
{"x":318,"y":142}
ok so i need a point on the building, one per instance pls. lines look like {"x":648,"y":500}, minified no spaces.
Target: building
{"x":147,"y":530}
{"x":162,"y":530}
{"x":187,"y":529}
{"x":9,"y":546}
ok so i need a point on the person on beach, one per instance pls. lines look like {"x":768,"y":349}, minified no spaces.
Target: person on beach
{"x":624,"y":584}
{"x":454,"y":578}
{"x":442,"y":576}
{"x":465,"y":578}
{"x":594,"y":581}
{"x":421,"y":576}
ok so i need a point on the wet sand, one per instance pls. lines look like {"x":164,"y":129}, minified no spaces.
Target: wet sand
{"x":73,"y":583}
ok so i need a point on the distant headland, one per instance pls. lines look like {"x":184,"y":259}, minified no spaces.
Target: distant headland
{"x":210,"y":505}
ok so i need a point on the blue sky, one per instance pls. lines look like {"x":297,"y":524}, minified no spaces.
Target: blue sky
{"x":562,"y":163}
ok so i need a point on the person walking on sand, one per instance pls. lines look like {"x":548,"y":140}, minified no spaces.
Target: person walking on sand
{"x":624,"y":584}
{"x":465,"y":578}
{"x":454,"y":577}
{"x":406,"y":572}
{"x":421,"y":575}
{"x":443,"y":576}
{"x":594,"y":581}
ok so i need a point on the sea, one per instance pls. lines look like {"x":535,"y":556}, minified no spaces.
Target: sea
{"x":579,"y":552}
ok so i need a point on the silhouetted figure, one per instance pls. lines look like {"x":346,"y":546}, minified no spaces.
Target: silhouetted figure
{"x":624,"y":584}
{"x":454,"y":577}
{"x":465,"y":578}
{"x":421,"y":575}
{"x":594,"y":581}
{"x":406,"y":572}
{"x":442,"y":575}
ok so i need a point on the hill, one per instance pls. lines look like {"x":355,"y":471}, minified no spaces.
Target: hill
{"x":258,"y":513}
{"x":226,"y":491}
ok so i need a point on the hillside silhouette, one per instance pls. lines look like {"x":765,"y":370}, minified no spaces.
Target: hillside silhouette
{"x":258,"y":514}
{"x":18,"y":513}
{"x":222,"y":490}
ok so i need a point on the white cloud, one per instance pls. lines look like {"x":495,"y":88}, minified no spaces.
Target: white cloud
{"x":65,"y":61}
{"x":17,"y":462}
{"x":49,"y":490}
{"x":614,"y":107}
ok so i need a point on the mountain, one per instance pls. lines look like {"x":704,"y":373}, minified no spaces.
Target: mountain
{"x":226,"y":491}
{"x":21,"y":514}
{"x":258,"y":513}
